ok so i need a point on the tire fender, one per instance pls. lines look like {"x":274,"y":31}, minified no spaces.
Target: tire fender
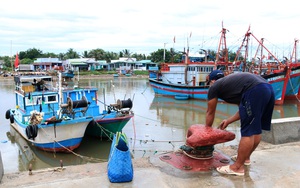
{"x":7,"y":114}
{"x":11,"y":118}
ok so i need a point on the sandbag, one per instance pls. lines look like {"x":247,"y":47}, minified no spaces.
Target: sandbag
{"x":201,"y":135}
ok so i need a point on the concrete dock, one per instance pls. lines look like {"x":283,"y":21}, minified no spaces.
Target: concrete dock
{"x":272,"y":165}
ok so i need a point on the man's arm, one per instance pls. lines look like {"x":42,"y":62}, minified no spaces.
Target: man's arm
{"x":211,"y":110}
{"x":231,"y":119}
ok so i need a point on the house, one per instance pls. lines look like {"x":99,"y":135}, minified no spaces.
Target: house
{"x":47,"y":64}
{"x":85,"y":64}
{"x":130,"y":64}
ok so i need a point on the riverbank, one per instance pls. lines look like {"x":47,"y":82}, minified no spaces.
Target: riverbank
{"x":270,"y":167}
{"x":100,"y":76}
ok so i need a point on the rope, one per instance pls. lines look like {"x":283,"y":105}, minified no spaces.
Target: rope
{"x":155,"y":120}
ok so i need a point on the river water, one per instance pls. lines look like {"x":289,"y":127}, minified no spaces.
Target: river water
{"x":159,"y":125}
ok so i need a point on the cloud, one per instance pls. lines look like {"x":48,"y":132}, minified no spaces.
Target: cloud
{"x":141,"y":26}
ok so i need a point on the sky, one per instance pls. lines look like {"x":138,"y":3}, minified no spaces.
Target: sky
{"x":144,"y":26}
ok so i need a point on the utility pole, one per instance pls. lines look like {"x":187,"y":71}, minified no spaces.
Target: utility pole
{"x":165,"y":52}
{"x":11,"y":61}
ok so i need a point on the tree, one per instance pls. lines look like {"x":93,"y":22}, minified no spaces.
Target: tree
{"x":7,"y":62}
{"x":31,"y":53}
{"x":170,"y":56}
{"x":62,"y":56}
{"x":139,"y":56}
{"x":126,"y":53}
{"x":49,"y":54}
{"x":85,"y":54}
{"x":108,"y":56}
{"x":157,"y":56}
{"x":26,"y":61}
{"x":98,"y":54}
{"x":71,"y":54}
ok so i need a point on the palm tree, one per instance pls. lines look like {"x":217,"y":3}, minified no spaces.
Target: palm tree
{"x":98,"y":54}
{"x":71,"y":54}
{"x":127,"y":53}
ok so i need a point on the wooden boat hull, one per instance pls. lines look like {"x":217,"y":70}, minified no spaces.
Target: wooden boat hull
{"x":55,"y":137}
{"x":293,"y":85}
{"x":278,"y":82}
{"x":107,"y":126}
{"x":192,"y":92}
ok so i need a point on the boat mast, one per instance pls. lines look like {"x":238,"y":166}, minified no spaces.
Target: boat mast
{"x":246,"y":40}
{"x":294,"y":53}
{"x":245,"y":44}
{"x":186,"y":65}
{"x":222,"y":48}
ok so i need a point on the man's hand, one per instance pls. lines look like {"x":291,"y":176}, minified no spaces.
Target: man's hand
{"x":223,"y":124}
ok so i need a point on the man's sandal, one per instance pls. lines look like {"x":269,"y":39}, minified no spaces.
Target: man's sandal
{"x":245,"y":163}
{"x":228,"y":171}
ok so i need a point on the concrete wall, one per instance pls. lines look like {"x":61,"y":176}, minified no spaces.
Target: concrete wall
{"x":283,"y":130}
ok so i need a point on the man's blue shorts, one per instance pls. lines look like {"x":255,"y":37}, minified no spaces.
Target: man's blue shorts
{"x":256,"y":109}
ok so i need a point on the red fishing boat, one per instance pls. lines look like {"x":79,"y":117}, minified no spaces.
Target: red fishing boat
{"x":284,"y":76}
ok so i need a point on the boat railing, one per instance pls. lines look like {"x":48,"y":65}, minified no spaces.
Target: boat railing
{"x":28,"y":88}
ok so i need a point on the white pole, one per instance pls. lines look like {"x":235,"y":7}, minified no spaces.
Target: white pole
{"x":165,"y":52}
{"x":59,"y":88}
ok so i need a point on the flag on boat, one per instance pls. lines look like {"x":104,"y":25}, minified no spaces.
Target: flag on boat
{"x":17,"y":61}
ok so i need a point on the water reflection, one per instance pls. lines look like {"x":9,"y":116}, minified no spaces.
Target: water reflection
{"x":291,"y":108}
{"x":184,"y":113}
{"x":91,"y":150}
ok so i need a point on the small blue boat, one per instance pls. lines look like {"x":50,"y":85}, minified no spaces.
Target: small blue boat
{"x":181,"y":97}
{"x":68,"y":74}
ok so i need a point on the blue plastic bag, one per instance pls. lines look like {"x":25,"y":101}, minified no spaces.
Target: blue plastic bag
{"x":119,"y":167}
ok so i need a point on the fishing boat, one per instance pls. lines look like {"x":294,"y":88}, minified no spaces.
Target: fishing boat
{"x":293,"y":82}
{"x":107,"y":122}
{"x":189,"y":77}
{"x":68,"y":74}
{"x":43,"y":118}
{"x":284,"y":76}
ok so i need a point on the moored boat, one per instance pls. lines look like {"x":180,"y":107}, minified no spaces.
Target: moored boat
{"x":68,"y":74}
{"x":189,"y":77}
{"x":284,"y":76}
{"x":43,"y":118}
{"x":107,"y":122}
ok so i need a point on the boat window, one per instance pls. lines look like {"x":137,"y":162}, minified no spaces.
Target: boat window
{"x":52,"y":98}
{"x":36,"y":100}
{"x":33,"y":100}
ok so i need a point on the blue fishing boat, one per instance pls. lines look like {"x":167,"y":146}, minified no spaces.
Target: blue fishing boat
{"x":107,"y":122}
{"x":181,"y":97}
{"x":293,"y":78}
{"x":68,"y":74}
{"x":43,"y":118}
